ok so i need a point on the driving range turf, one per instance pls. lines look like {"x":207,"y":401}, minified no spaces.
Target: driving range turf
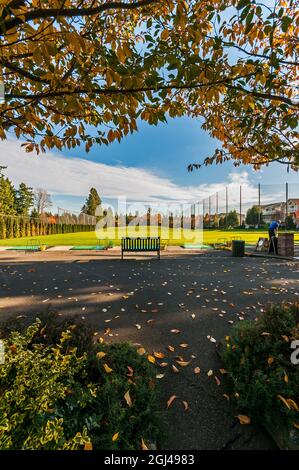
{"x":168,"y":236}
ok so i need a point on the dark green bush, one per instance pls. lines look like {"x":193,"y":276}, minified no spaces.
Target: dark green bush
{"x":257,"y":355}
{"x":54,"y":395}
{"x":52,"y":325}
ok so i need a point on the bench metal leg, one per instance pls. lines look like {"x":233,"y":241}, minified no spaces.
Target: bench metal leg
{"x":122,"y":254}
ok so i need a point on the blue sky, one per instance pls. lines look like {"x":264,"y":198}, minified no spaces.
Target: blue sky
{"x":168,"y":149}
{"x":148,"y":165}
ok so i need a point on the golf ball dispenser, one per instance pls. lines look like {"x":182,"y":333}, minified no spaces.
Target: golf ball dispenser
{"x":286,"y":244}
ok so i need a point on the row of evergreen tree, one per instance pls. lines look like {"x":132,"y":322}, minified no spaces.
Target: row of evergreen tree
{"x":17,"y":227}
{"x":23,"y":211}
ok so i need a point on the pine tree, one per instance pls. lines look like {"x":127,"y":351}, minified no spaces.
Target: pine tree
{"x":24,"y":199}
{"x":7,"y":196}
{"x":232,"y":219}
{"x":92,"y":202}
{"x":34,"y":214}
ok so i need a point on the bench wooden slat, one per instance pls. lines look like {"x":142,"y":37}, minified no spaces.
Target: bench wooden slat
{"x":140,"y":244}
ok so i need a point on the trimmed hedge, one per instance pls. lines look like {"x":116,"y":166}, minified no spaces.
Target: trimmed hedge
{"x":16,"y":227}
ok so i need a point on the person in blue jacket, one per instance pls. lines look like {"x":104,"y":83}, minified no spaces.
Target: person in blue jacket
{"x":273,"y":234}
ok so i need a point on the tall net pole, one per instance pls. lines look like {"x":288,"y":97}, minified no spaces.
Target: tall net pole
{"x":226,"y":205}
{"x":259,"y":203}
{"x":240,"y":205}
{"x":287,"y":201}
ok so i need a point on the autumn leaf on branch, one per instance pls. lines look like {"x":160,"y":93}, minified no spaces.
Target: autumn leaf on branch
{"x":87,"y":73}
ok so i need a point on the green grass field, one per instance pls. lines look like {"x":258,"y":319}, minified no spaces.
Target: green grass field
{"x":168,"y":236}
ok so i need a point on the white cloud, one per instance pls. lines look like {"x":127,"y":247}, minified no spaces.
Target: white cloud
{"x":65,"y":176}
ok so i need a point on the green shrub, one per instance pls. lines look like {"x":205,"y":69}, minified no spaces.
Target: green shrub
{"x":16,"y":228}
{"x":55,"y":396}
{"x":9,"y":227}
{"x":22,"y":228}
{"x":52,"y":326}
{"x":2,"y":228}
{"x":27,"y":228}
{"x":257,"y":355}
{"x":32,"y":228}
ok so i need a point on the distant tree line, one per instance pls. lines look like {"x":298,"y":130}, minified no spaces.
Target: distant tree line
{"x":23,"y":212}
{"x":254,"y":216}
{"x":229,"y":220}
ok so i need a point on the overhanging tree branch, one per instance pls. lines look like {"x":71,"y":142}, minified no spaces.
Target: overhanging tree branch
{"x":125,"y":91}
{"x":72,"y":12}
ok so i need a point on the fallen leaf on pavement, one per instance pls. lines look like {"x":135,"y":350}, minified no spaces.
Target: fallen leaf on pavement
{"x":185,"y":405}
{"x":159,"y":355}
{"x":183,"y":363}
{"x":243,"y":419}
{"x":151,"y":359}
{"x":171,"y":400}
{"x":160,"y":376}
{"x":217,"y":380}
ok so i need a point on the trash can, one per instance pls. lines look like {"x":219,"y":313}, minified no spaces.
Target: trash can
{"x":238,"y":248}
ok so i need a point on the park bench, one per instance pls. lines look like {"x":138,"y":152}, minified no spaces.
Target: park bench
{"x":140,"y":244}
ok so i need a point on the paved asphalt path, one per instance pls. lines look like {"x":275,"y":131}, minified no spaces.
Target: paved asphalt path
{"x":141,"y":300}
